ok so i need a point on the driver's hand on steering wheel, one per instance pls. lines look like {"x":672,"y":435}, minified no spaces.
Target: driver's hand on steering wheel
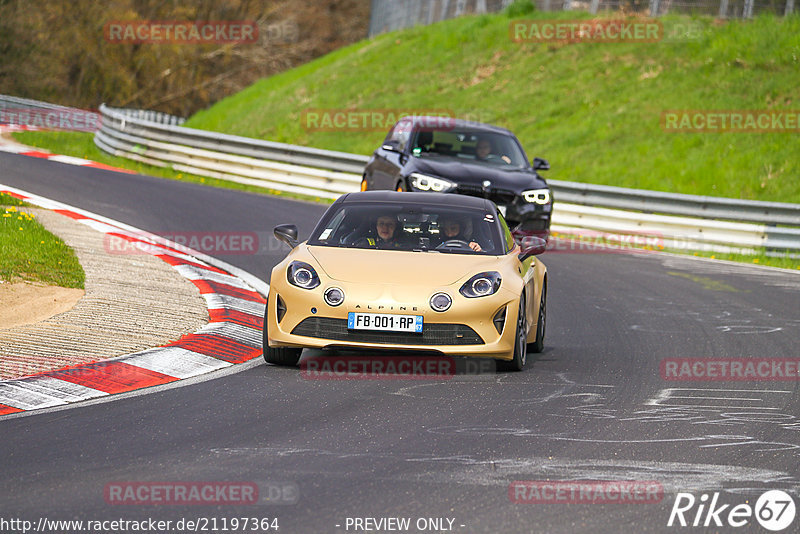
{"x":474,"y":246}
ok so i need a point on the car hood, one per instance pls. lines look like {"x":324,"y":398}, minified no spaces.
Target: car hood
{"x":475,"y":173}
{"x":370,"y":266}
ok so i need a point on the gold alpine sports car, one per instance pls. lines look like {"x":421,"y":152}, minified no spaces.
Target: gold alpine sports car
{"x":399,"y":271}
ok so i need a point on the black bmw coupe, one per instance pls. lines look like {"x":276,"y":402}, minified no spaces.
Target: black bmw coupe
{"x":444,"y":155}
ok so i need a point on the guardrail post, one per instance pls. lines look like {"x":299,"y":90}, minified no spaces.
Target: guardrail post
{"x":789,"y":8}
{"x":654,"y":5}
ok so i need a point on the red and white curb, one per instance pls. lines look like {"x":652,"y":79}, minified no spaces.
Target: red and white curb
{"x":23,"y":150}
{"x":235,"y":305}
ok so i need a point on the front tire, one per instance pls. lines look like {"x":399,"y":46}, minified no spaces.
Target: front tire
{"x":538,"y":344}
{"x":286,"y":356}
{"x":520,"y":358}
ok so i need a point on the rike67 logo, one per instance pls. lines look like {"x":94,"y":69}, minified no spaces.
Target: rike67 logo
{"x":774,"y":510}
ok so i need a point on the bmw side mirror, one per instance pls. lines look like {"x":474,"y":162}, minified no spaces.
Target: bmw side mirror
{"x":540,"y":164}
{"x":286,"y":233}
{"x":531,"y":246}
{"x":392,"y":146}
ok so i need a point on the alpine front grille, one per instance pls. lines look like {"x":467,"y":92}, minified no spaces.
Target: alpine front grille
{"x":432,"y":333}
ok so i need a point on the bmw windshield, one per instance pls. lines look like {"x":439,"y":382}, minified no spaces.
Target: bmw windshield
{"x":470,"y":146}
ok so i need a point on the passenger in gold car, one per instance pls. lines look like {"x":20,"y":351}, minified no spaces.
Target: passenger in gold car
{"x":386,"y":227}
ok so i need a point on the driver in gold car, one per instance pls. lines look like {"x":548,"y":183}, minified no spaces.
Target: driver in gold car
{"x":452,"y":229}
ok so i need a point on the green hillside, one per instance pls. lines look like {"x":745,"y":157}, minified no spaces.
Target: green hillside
{"x":592,"y":109}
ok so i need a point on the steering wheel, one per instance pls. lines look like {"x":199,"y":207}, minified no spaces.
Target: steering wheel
{"x":454,"y":243}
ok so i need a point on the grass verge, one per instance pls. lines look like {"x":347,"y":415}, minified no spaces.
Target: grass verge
{"x":29,"y":252}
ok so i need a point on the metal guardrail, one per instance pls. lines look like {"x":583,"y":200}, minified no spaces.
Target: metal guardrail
{"x":14,"y":102}
{"x":681,"y":221}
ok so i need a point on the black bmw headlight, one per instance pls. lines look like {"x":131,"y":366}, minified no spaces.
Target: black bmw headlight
{"x":302,"y":275}
{"x":481,"y":285}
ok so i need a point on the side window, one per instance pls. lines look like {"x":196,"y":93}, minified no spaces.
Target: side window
{"x":400,"y":134}
{"x":509,"y":238}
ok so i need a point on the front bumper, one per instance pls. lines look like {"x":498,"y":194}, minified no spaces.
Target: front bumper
{"x":466,"y":329}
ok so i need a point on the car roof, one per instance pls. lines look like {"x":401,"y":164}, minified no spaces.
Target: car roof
{"x":431,"y":121}
{"x":425,"y":199}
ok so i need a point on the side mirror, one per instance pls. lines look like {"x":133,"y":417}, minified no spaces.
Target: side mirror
{"x":540,"y":164}
{"x":392,"y":146}
{"x":531,"y":246}
{"x":286,"y":233}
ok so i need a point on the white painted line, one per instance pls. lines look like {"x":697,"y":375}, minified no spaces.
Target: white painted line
{"x":16,"y":394}
{"x":237,"y":332}
{"x":215,"y":301}
{"x":101,"y":227}
{"x":70,"y":160}
{"x":175,"y":361}
{"x":14,"y":149}
{"x":60,"y":389}
{"x":193,"y":273}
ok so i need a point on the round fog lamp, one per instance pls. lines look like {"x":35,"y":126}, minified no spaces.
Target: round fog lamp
{"x":334,"y":296}
{"x":441,"y":302}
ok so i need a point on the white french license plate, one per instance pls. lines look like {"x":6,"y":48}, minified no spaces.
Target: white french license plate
{"x":502,"y":210}
{"x":384,"y":321}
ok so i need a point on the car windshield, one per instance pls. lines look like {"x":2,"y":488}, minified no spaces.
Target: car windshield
{"x":486,"y":148}
{"x":419,"y":228}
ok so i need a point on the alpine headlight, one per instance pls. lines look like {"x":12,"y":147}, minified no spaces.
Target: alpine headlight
{"x":422,"y":182}
{"x":302,"y":275}
{"x":481,"y":285}
{"x":539,"y":196}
